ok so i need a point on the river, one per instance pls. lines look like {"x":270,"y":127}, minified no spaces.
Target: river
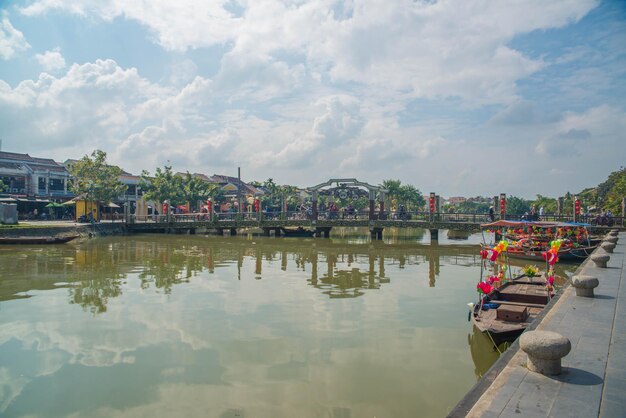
{"x":245,"y":326}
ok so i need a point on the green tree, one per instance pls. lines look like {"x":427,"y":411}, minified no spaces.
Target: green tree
{"x":549,"y":204}
{"x":407,"y":194}
{"x":412,"y":197}
{"x":616,"y":194}
{"x":473,"y":207}
{"x":517,"y":205}
{"x":195,"y":189}
{"x":93,"y":178}
{"x":393,"y":190}
{"x":2,"y":186}
{"x":164,"y":185}
{"x":289,"y":194}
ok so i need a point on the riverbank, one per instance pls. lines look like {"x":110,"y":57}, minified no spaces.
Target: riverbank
{"x":593,"y":382}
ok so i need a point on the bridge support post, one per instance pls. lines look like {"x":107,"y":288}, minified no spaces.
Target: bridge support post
{"x":323,"y":232}
{"x":219,"y":231}
{"x":434,"y":234}
{"x":266,"y":232}
{"x":233,"y":231}
{"x":277,"y":232}
{"x":376,"y":233}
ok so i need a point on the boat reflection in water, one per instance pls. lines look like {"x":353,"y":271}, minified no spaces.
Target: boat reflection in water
{"x":484,"y":354}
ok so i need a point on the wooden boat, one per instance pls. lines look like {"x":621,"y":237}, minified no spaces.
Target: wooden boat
{"x":514,"y":306}
{"x":530,"y":246}
{"x":573,"y":254}
{"x":297,"y":232}
{"x":37,"y":240}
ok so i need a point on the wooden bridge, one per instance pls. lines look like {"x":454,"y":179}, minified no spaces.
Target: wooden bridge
{"x":320,"y":222}
{"x":321,"y":227}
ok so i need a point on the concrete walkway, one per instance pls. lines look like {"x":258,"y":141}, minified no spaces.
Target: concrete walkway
{"x":593,"y":382}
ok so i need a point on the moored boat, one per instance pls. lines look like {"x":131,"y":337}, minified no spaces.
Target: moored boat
{"x":297,"y":232}
{"x":37,"y":240}
{"x":507,"y":311}
{"x":528,"y":240}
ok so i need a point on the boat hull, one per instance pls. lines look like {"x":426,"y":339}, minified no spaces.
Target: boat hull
{"x":36,"y":240}
{"x":529,"y":295}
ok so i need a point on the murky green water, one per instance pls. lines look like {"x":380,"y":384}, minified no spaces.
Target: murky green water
{"x":166,"y":325}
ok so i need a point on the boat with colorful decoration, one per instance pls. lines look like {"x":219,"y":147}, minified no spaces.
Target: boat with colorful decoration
{"x":506,"y":305}
{"x":530,"y":240}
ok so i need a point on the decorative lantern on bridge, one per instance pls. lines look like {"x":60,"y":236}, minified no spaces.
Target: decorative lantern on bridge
{"x":502,"y":205}
{"x":576,"y":208}
{"x":209,"y":206}
{"x":431,"y":203}
{"x":257,"y":205}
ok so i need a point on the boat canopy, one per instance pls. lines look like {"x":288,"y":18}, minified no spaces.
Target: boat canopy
{"x":517,"y":224}
{"x":537,"y":224}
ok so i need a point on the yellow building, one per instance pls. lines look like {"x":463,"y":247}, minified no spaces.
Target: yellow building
{"x":85,"y":207}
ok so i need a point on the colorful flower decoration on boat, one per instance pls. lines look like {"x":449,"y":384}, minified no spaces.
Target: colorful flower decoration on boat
{"x":501,"y":246}
{"x":551,"y":256}
{"x":484,"y":287}
{"x":556,"y":245}
{"x":492,"y":279}
{"x":530,"y":271}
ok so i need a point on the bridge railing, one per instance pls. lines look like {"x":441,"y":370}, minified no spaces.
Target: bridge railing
{"x":477,"y":218}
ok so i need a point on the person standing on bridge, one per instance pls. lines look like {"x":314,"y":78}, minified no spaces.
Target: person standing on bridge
{"x":492,"y":215}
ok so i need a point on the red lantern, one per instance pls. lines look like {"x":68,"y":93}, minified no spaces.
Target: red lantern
{"x":431,"y":203}
{"x":577,"y":207}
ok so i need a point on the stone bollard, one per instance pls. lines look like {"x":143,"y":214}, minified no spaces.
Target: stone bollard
{"x":600,"y":259}
{"x":607,"y":246}
{"x":611,"y":239}
{"x":545,"y":350}
{"x":584,"y":285}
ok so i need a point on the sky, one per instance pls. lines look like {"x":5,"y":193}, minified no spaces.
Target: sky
{"x":457,"y":97}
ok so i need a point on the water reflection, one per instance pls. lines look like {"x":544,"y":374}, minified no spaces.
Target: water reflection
{"x":94,"y":271}
{"x":247,"y":326}
{"x":484,"y":354}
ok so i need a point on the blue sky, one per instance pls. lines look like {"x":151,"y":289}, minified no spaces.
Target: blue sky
{"x":468,"y":97}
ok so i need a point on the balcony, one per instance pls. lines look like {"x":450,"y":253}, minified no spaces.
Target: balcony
{"x":42,"y":192}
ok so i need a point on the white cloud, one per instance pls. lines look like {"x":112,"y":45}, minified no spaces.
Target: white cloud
{"x":51,"y":60}
{"x":11,"y":39}
{"x":90,"y":104}
{"x":395,"y":46}
{"x":597,"y":131}
{"x":300,"y":91}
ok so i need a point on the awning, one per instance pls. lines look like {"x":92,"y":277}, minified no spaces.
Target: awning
{"x":33,"y":200}
{"x":516,"y":224}
{"x":536,"y":224}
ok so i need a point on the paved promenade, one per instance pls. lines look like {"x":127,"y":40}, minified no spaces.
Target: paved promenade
{"x":593,"y":382}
